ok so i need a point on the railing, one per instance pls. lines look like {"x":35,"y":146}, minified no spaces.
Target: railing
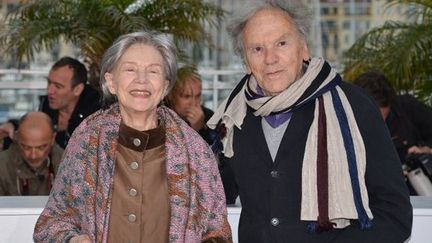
{"x":18,"y":216}
{"x":20,"y":89}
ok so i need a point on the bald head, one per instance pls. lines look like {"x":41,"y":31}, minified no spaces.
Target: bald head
{"x":35,"y":120}
{"x":35,"y":137}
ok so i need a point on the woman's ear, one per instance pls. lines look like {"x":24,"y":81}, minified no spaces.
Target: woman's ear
{"x":165,"y":94}
{"x":110,"y":82}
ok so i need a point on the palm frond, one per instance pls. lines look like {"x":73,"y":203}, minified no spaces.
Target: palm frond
{"x":401,"y":50}
{"x":93,"y":25}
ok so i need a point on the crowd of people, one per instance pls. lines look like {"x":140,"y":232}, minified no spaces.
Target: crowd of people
{"x":311,"y":158}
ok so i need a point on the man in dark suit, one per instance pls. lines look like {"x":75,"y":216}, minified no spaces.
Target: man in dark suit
{"x":308,"y":154}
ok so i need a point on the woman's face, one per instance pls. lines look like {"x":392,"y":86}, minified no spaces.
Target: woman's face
{"x":138,"y":80}
{"x":187,"y":98}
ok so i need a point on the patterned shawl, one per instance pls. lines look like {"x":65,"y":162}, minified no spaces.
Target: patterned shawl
{"x":334,"y":161}
{"x":80,"y":201}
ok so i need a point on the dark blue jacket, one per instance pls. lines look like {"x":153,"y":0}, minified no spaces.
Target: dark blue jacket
{"x":272,"y":190}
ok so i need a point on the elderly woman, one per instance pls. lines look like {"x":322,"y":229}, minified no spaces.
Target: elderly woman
{"x":308,"y":152}
{"x":136,"y":172}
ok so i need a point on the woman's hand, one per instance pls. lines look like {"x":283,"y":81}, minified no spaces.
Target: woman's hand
{"x":80,"y":239}
{"x":195,"y":117}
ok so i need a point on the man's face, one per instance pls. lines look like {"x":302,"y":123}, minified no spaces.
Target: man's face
{"x":186,"y":98}
{"x":35,"y":145}
{"x":61,"y":94}
{"x":274,"y":50}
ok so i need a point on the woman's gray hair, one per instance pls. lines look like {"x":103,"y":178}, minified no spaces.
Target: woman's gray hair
{"x":162,"y":42}
{"x":293,"y":8}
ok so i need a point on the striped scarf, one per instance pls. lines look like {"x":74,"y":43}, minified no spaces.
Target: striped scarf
{"x":334,"y":161}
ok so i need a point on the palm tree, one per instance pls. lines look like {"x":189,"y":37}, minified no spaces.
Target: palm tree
{"x":93,"y":25}
{"x":401,"y":50}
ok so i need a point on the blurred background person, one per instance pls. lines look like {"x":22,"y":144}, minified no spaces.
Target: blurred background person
{"x":68,"y":101}
{"x":29,"y":166}
{"x":185,"y":100}
{"x":410,"y":125}
{"x":135,"y":172}
{"x":409,"y":121}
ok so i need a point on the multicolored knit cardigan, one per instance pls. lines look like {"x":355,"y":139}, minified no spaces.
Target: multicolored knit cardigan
{"x":80,"y":201}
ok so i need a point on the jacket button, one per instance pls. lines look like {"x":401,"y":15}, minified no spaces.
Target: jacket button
{"x":134,"y":165}
{"x":274,"y":174}
{"x":133,"y":192}
{"x":132,"y":217}
{"x":136,"y":142}
{"x":274,"y":221}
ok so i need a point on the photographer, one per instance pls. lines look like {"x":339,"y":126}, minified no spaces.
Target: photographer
{"x":409,"y":121}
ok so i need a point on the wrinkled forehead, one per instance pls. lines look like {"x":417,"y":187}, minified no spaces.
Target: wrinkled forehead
{"x":270,"y":20}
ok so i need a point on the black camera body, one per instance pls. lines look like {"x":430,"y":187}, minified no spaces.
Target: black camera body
{"x":423,"y":161}
{"x":419,"y":173}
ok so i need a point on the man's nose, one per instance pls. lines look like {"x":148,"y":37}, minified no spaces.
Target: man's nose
{"x":50,"y":89}
{"x":33,"y":153}
{"x":270,"y":56}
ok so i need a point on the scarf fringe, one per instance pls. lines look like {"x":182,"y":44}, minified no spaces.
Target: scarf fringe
{"x":318,"y":227}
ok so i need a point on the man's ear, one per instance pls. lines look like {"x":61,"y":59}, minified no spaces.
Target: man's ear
{"x":305,"y":52}
{"x":16,"y":136}
{"x":78,"y":89}
{"x":246,"y":65}
{"x":53,"y":138}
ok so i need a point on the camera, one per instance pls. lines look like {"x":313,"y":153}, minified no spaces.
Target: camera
{"x":423,"y":161}
{"x":419,"y":168}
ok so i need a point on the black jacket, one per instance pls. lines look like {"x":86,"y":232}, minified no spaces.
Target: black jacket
{"x":205,"y":132}
{"x":410,"y":123}
{"x":272,"y":190}
{"x":88,"y":103}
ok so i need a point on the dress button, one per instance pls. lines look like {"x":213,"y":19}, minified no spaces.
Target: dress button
{"x":274,"y":221}
{"x":136,"y":142}
{"x":133,"y":192}
{"x":134,"y":165}
{"x":132,"y":217}
{"x":274,"y":174}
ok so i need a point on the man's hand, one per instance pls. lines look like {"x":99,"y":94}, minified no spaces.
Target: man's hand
{"x":420,"y":150}
{"x":80,"y":239}
{"x":195,"y":117}
{"x":7,"y":130}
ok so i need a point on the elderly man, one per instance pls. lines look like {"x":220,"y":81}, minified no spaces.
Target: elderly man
{"x":29,"y":165}
{"x":310,"y":156}
{"x":68,"y":101}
